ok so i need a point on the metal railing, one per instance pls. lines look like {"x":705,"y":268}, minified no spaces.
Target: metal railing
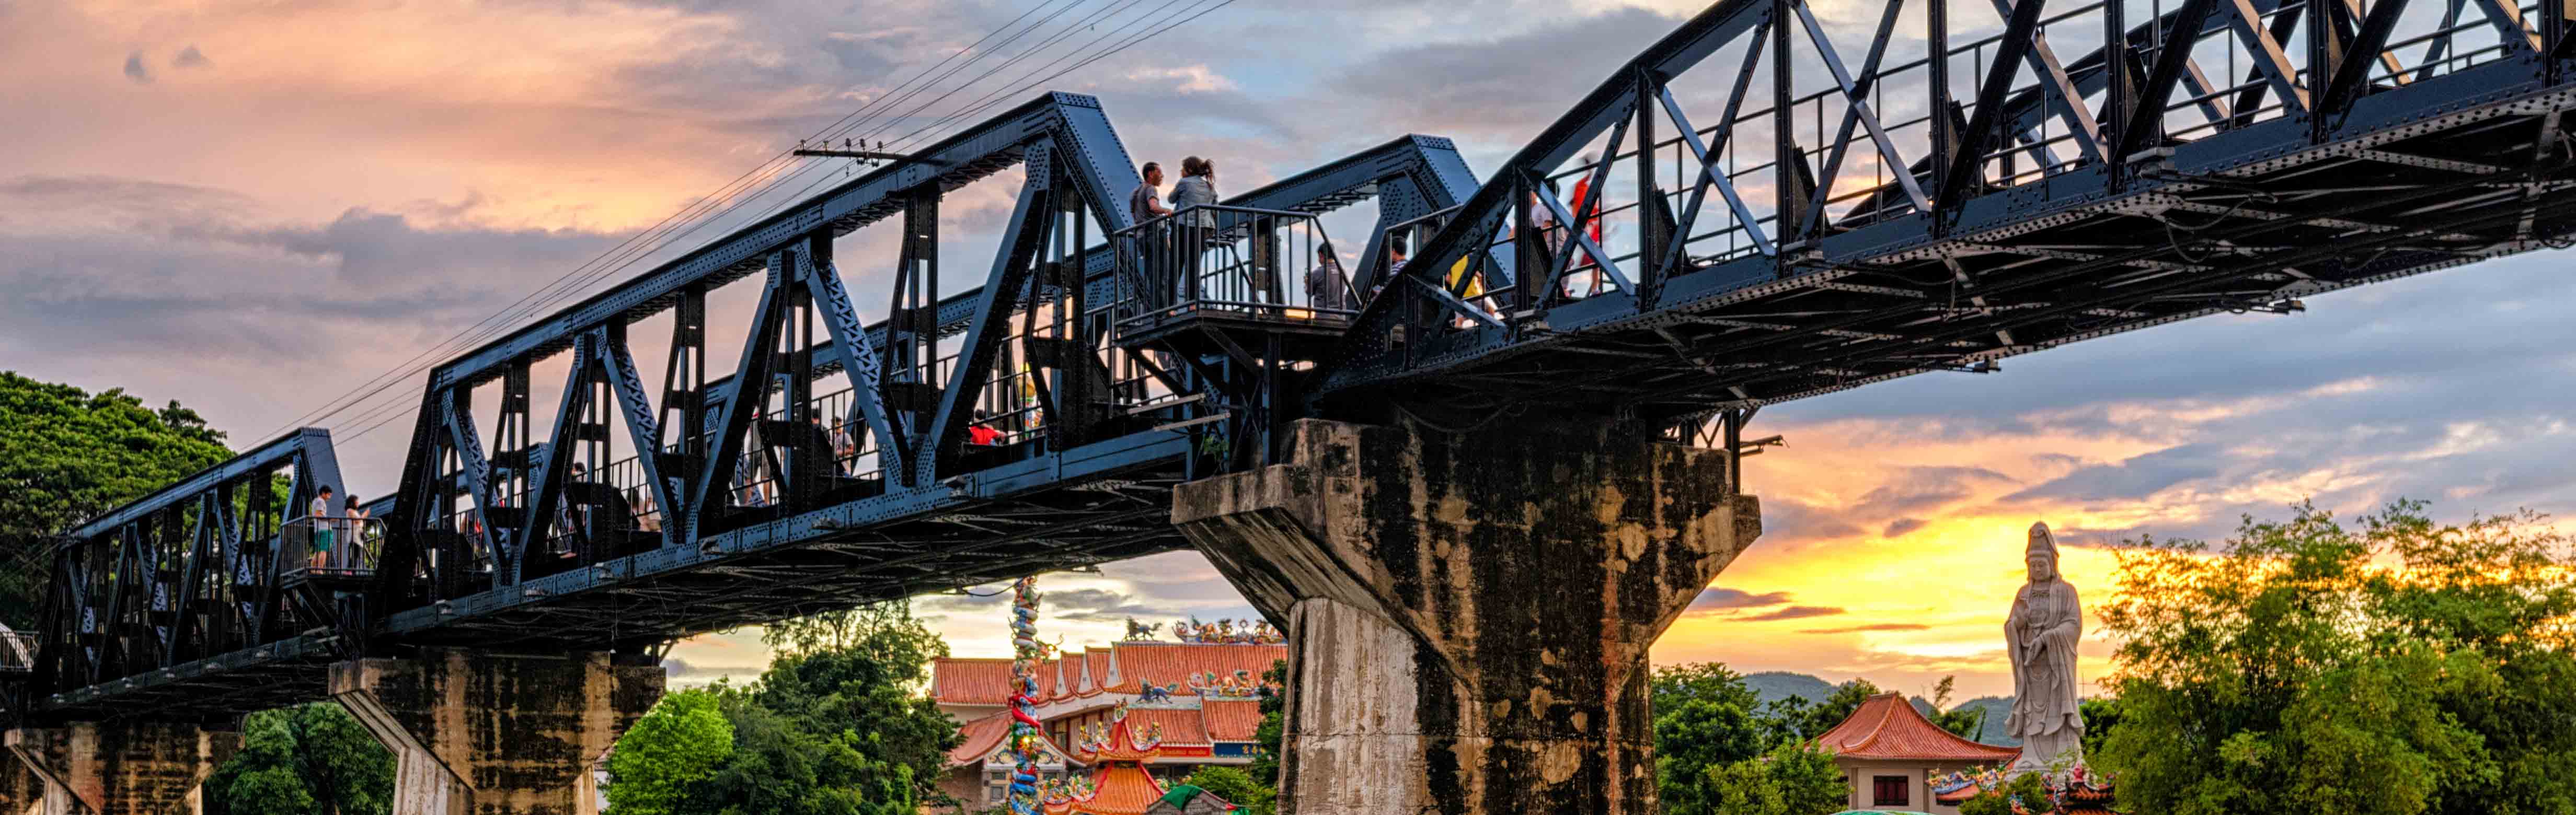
{"x":1238,"y":261}
{"x":17,"y":652}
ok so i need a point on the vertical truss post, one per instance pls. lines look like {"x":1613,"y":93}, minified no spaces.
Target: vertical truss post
{"x":684,"y":401}
{"x":1651,"y":228}
{"x":908,"y":375}
{"x":2116,"y":110}
{"x":1788,"y":162}
{"x":1936,"y":39}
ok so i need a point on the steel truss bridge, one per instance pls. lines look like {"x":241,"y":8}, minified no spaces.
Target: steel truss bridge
{"x":1766,"y":205}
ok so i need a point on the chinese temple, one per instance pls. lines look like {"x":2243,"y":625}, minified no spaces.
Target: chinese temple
{"x":1118,"y":783}
{"x":1891,"y":756}
{"x":1202,"y":696}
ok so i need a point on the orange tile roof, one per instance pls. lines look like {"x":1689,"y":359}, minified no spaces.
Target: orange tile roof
{"x":963,"y":681}
{"x":1888,"y":727}
{"x":984,"y":735}
{"x":1231,"y":720}
{"x":1124,"y":788}
{"x":1180,"y":727}
{"x":1173,"y":663}
{"x":987,"y":681}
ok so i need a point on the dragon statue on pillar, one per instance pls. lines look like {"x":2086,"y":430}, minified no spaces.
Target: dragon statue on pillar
{"x":1026,"y":653}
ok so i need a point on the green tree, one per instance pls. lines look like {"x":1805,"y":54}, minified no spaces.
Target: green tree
{"x":1704,"y":719}
{"x":1237,"y":787}
{"x":311,"y":759}
{"x":66,"y":456}
{"x":1963,"y":722}
{"x":834,"y":727}
{"x":2305,"y":666}
{"x":1274,"y":726}
{"x":1796,"y":778}
{"x":2101,"y":718}
{"x":676,"y":746}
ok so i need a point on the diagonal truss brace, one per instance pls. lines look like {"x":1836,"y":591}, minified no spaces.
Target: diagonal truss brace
{"x":1858,"y":110}
{"x":2068,"y":101}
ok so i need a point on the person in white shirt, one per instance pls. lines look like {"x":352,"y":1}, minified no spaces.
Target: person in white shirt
{"x":322,"y":531}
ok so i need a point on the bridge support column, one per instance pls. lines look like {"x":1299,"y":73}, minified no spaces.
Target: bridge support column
{"x":496,"y":734}
{"x":118,"y":768}
{"x":1468,"y":617}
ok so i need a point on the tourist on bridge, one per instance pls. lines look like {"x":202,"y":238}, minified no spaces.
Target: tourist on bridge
{"x":1197,"y":188}
{"x":321,"y":528}
{"x":981,"y":433}
{"x":1326,"y":288}
{"x":845,"y":448}
{"x":1151,"y":243}
{"x":357,"y":529}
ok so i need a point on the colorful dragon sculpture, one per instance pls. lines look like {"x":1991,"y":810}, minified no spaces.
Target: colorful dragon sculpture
{"x":1026,"y":653}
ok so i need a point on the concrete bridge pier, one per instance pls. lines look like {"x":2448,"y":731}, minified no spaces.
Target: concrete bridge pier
{"x":1468,"y":616}
{"x":496,"y":734}
{"x":115,"y":768}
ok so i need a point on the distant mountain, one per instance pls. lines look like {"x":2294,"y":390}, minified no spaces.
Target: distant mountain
{"x":1992,"y":729}
{"x":1776,"y":685}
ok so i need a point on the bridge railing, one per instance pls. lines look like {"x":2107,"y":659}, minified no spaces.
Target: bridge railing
{"x":17,"y":652}
{"x":1239,"y":262}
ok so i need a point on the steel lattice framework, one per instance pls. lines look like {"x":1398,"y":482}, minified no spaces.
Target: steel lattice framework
{"x":1796,"y":227}
{"x":1753,"y":217}
{"x":499,"y":543}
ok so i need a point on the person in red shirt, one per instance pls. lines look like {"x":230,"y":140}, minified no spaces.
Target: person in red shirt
{"x":1590,"y":217}
{"x":982,"y":434}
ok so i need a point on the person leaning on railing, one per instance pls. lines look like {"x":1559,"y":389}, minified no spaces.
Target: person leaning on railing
{"x":1150,"y":243}
{"x":1197,"y":188}
{"x":1325,"y":288}
{"x":353,"y":525}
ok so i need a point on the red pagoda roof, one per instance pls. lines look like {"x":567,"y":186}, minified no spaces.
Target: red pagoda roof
{"x":984,"y":735}
{"x":1888,"y":727}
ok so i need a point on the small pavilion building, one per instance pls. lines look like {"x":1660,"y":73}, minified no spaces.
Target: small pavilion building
{"x":1891,"y":756}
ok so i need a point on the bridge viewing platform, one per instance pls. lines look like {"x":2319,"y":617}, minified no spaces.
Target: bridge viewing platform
{"x":1475,"y":460}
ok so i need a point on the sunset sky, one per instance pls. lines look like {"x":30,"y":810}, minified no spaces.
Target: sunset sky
{"x":254,"y":206}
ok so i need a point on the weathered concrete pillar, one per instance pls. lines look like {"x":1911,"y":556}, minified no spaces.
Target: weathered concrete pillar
{"x":120,"y":768}
{"x":496,"y":734}
{"x":21,"y":792}
{"x":1468,"y":617}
